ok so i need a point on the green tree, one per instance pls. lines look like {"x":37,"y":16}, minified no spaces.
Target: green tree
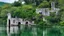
{"x":44,"y":4}
{"x":53,"y":19}
{"x":16,"y":3}
{"x":33,"y":1}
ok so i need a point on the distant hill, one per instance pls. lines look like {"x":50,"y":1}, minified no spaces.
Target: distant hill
{"x":2,"y":3}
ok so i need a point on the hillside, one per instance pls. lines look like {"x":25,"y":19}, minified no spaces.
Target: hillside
{"x":2,"y":3}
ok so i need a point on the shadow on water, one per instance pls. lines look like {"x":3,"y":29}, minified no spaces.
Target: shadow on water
{"x":54,"y":31}
{"x":24,"y":30}
{"x":33,"y":30}
{"x":3,"y":31}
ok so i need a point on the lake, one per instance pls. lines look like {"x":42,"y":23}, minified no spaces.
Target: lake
{"x":32,"y":30}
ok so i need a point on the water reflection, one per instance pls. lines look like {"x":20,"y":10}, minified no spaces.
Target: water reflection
{"x":3,"y":31}
{"x":54,"y":31}
{"x":30,"y":30}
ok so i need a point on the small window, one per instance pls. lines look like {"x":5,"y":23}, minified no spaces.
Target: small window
{"x":13,"y":21}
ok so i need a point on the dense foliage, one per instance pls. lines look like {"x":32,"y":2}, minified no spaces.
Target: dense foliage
{"x":28,"y":11}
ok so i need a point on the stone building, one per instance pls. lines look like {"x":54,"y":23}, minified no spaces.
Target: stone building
{"x":47,"y":11}
{"x":16,"y":21}
{"x":13,"y":24}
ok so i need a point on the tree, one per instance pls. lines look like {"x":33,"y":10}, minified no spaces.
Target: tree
{"x":26,"y":11}
{"x":53,"y":18}
{"x":16,"y":3}
{"x":33,"y":1}
{"x":62,"y":23}
{"x":44,"y":4}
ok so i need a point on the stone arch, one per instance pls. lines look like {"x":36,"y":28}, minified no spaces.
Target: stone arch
{"x":26,"y":23}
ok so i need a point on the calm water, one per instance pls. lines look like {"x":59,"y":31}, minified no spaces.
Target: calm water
{"x":54,"y":31}
{"x":22,"y":31}
{"x":33,"y":31}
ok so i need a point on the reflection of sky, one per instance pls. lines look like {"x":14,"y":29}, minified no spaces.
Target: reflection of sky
{"x":8,"y":1}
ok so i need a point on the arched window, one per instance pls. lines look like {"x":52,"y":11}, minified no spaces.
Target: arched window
{"x":19,"y":23}
{"x":26,"y":23}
